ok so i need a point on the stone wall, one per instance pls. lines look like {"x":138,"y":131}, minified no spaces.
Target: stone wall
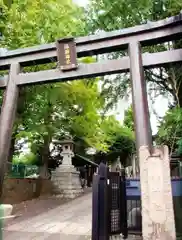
{"x":18,"y":190}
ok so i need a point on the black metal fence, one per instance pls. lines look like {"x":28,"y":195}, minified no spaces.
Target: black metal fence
{"x":117,"y":204}
{"x":109,"y":210}
{"x":115,"y":212}
{"x":134,"y":216}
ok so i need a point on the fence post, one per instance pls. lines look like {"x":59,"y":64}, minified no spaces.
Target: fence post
{"x":103,"y":201}
{"x":100,"y":212}
{"x":95,"y":208}
{"x":123,"y":215}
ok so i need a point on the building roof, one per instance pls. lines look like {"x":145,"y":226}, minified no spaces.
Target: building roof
{"x":87,"y":160}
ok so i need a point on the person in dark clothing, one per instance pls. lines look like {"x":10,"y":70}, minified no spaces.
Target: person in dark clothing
{"x":82,"y":176}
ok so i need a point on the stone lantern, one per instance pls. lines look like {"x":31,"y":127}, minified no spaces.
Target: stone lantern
{"x":67,"y":152}
{"x":66,"y":181}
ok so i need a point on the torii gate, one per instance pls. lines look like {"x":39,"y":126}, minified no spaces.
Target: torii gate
{"x":157,"y":206}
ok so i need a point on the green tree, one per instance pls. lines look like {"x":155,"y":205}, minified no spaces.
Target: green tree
{"x":69,"y":108}
{"x":46,"y":112}
{"x":120,"y":140}
{"x":106,"y":16}
{"x":27,"y":159}
{"x":170,"y":130}
{"x":129,"y":119}
{"x":166,"y":81}
{"x":37,"y":22}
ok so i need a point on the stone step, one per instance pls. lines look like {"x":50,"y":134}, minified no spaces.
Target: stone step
{"x":5,"y":210}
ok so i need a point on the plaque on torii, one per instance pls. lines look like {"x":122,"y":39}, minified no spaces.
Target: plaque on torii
{"x":66,"y":54}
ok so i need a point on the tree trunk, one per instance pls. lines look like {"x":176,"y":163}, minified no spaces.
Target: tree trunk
{"x":12,"y":149}
{"x":45,"y":153}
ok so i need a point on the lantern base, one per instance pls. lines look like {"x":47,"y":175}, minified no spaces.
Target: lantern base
{"x":66,"y":182}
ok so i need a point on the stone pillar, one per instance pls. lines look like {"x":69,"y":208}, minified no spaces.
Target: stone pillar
{"x":65,"y":178}
{"x":156,"y":191}
{"x":116,"y":166}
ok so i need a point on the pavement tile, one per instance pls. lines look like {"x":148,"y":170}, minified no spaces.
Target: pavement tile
{"x":71,"y":221}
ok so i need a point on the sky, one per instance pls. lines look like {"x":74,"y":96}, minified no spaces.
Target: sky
{"x":81,"y":2}
{"x":160,"y":106}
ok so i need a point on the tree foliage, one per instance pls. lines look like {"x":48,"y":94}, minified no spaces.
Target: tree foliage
{"x":37,"y":22}
{"x":104,"y":16}
{"x":170,"y":130}
{"x":120,"y":140}
{"x":52,"y":111}
{"x":28,"y":159}
{"x":129,"y":119}
{"x":49,"y":111}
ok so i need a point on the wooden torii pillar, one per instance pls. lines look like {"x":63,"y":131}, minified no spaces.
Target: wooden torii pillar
{"x":7,"y":118}
{"x":156,"y":193}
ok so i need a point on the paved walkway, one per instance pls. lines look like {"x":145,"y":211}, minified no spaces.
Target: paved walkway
{"x":70,"y":221}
